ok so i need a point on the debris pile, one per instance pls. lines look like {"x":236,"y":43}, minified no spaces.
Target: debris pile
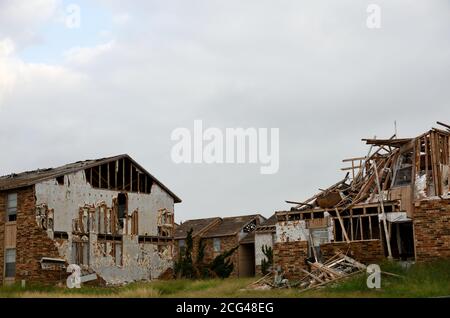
{"x":338,"y":267}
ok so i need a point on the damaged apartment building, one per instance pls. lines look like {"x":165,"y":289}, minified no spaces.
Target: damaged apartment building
{"x":393,"y":203}
{"x":109,"y":216}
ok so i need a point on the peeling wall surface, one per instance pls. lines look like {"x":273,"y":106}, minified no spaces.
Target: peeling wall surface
{"x":288,"y":231}
{"x":262,"y":239}
{"x":139,"y":261}
{"x":76,"y":192}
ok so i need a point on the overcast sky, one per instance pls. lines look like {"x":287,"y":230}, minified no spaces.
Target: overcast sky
{"x":133,"y":72}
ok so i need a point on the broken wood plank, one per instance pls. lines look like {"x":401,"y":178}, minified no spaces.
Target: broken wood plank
{"x":344,"y":232}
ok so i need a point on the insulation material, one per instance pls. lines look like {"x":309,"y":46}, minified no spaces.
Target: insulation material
{"x":420,"y":186}
{"x":445,"y":179}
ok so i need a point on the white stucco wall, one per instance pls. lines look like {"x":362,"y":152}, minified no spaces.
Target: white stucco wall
{"x":140,"y":261}
{"x":262,"y":239}
{"x":291,"y":231}
{"x":66,"y":200}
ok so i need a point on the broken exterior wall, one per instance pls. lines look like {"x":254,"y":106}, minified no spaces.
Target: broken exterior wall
{"x":139,"y":261}
{"x":66,"y":200}
{"x":432,"y":229}
{"x":287,"y":231}
{"x":32,"y":242}
{"x":290,"y":256}
{"x":366,"y":252}
{"x":261,"y":239}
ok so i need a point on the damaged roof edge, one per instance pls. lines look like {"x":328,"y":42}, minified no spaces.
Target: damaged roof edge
{"x":82,"y":165}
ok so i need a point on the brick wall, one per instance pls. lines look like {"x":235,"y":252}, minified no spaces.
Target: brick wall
{"x":226,"y":243}
{"x":33,"y":243}
{"x":2,"y":233}
{"x":366,"y":252}
{"x":431,"y":221}
{"x":195,"y":246}
{"x":291,"y":257}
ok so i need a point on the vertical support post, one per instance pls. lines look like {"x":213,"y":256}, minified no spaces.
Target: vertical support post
{"x":344,"y":232}
{"x":380,"y":198}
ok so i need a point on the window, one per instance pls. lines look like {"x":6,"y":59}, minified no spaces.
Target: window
{"x":182,"y":246}
{"x":10,"y":262}
{"x":11,"y":207}
{"x":216,"y":244}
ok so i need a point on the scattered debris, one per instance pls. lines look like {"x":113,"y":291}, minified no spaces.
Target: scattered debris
{"x":338,"y":267}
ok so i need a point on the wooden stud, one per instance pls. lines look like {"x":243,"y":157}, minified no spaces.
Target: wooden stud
{"x":344,"y":232}
{"x":361,"y":227}
{"x":116,"y":170}
{"x":131,"y":177}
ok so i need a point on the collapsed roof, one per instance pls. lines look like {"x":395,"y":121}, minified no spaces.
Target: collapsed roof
{"x":421,"y":163}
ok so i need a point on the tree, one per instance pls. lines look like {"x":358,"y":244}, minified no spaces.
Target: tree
{"x":184,"y":267}
{"x":201,"y":268}
{"x":222,"y":266}
{"x":267,"y":262}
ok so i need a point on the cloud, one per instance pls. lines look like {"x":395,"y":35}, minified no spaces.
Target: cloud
{"x":18,"y":77}
{"x":311,"y":68}
{"x":86,"y":55}
{"x":20,"y":19}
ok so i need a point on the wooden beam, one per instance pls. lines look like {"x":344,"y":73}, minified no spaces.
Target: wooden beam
{"x":344,"y":232}
{"x":442,"y":124}
{"x":353,"y":159}
{"x":138,"y":182}
{"x":361,"y":228}
{"x":380,"y":198}
{"x":131,"y":177}
{"x":116,"y":170}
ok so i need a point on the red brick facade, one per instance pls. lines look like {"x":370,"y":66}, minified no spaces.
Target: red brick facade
{"x":32,"y":243}
{"x":2,"y":233}
{"x":431,"y":223}
{"x":291,"y":257}
{"x":226,"y":243}
{"x":366,"y":252}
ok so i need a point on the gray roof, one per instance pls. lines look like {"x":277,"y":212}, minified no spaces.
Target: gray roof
{"x":197,"y":225}
{"x":27,"y":178}
{"x":230,"y":225}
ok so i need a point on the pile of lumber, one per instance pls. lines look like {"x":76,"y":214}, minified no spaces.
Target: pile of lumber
{"x":274,"y":279}
{"x":339,"y":267}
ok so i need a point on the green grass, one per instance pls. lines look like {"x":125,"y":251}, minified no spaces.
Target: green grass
{"x":421,"y":280}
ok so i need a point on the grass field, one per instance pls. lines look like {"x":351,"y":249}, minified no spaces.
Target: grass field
{"x":421,"y":280}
